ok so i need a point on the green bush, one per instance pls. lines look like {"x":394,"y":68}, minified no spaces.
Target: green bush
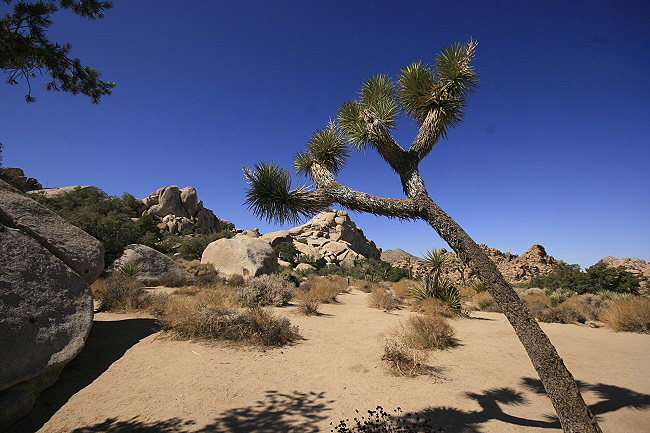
{"x":596,"y":278}
{"x":286,"y":251}
{"x":192,"y":248}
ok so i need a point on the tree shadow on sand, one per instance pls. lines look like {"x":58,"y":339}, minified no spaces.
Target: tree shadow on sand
{"x":106,"y":343}
{"x":294,"y":412}
{"x":455,"y":420}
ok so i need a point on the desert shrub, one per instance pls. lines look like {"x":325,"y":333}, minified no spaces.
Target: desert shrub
{"x":275,"y":289}
{"x":402,"y":287}
{"x":235,"y":280}
{"x":172,"y":280}
{"x":426,"y":332}
{"x":380,"y":421}
{"x":616,"y":279}
{"x":191,"y":318}
{"x":192,"y":248}
{"x":485,"y":302}
{"x":122,"y":292}
{"x":286,"y":251}
{"x":632,"y":314}
{"x":435,"y":307}
{"x":404,"y":360}
{"x":308,"y":303}
{"x":383,"y":299}
{"x":590,"y":306}
{"x":325,"y":289}
{"x":204,"y":273}
{"x":560,"y":314}
{"x":367,"y":269}
{"x":439,"y":288}
{"x":157,"y":303}
{"x":557,"y":296}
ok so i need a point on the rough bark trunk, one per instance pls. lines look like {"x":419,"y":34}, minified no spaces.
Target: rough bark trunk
{"x":572,"y":411}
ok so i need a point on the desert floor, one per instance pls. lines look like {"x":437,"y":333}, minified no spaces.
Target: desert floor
{"x":132,"y":378}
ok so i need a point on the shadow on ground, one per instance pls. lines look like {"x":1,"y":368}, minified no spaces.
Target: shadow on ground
{"x":107,"y":342}
{"x":295,"y":412}
{"x":299,"y":412}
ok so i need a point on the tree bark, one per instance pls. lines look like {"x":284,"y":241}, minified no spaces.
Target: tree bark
{"x":572,"y":411}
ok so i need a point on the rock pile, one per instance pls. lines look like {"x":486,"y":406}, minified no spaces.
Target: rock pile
{"x":180,"y":209}
{"x":331,"y":237}
{"x":16,"y":177}
{"x":46,"y":308}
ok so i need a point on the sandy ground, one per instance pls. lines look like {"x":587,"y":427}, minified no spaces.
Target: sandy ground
{"x":130,"y":378}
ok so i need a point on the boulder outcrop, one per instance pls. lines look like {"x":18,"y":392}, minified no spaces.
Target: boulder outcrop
{"x":154,"y":267}
{"x":179,"y":209}
{"x":46,"y":308}
{"x":16,"y":177}
{"x":331,"y":237}
{"x":245,"y":256}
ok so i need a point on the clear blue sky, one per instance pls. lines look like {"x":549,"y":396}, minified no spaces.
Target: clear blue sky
{"x":553,"y":149}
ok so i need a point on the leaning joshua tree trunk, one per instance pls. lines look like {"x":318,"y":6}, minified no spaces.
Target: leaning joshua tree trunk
{"x":436,"y":100}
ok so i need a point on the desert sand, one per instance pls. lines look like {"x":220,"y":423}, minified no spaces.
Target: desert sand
{"x":132,"y":378}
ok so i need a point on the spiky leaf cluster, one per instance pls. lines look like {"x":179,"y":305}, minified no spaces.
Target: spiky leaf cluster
{"x":377,"y":102}
{"x":327,"y":147}
{"x":25,"y":49}
{"x":441,"y":91}
{"x":269,"y":195}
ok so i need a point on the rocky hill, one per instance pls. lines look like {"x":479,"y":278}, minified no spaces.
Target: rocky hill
{"x":396,"y":255}
{"x":635,"y":266}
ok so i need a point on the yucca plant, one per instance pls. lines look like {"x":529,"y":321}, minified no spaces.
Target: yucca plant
{"x":477,"y":286}
{"x":129,"y":269}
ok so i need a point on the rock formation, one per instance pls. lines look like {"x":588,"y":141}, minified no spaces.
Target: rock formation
{"x":245,"y":256}
{"x":515,"y":269}
{"x":46,"y":308}
{"x":397,"y":255}
{"x":16,"y":177}
{"x":181,"y":209}
{"x":331,"y":237}
{"x":154,"y":266}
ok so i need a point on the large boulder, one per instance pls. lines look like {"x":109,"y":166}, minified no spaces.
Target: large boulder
{"x":76,"y":248}
{"x":245,"y":256}
{"x":155,"y":267}
{"x":46,"y":307}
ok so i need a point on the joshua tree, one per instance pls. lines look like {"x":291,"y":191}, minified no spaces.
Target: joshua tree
{"x":435,"y":98}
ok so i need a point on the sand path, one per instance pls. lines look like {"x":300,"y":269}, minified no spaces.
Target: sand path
{"x":129,"y":378}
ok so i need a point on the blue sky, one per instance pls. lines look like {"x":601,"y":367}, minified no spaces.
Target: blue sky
{"x":553,"y":148}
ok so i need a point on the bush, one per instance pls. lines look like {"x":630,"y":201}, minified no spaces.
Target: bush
{"x":560,"y":314}
{"x":189,"y":318}
{"x":632,"y":315}
{"x":275,"y":289}
{"x":404,"y":360}
{"x":286,"y":251}
{"x":485,"y":302}
{"x":426,"y":332}
{"x":308,"y":303}
{"x":383,"y":299}
{"x":192,"y":248}
{"x":438,"y":288}
{"x":589,"y":306}
{"x":204,"y":273}
{"x":122,"y":292}
{"x":435,"y":307}
{"x":172,"y":280}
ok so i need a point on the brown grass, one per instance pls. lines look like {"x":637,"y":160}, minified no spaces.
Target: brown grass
{"x":319,"y":290}
{"x":485,"y":302}
{"x":402,"y":287}
{"x":435,"y":307}
{"x":383,"y":299}
{"x":403,"y":360}
{"x":589,"y":306}
{"x":631,"y":315}
{"x":275,"y":289}
{"x":120,"y":293}
{"x":426,"y":332}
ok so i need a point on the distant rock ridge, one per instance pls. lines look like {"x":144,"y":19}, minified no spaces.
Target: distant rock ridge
{"x":396,"y":255}
{"x":180,"y":209}
{"x":515,"y":269}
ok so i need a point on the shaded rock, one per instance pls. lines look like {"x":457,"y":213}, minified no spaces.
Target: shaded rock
{"x":246,"y":256}
{"x":275,"y":238}
{"x":46,"y":312}
{"x":16,"y":177}
{"x":155,"y":267}
{"x":76,"y":248}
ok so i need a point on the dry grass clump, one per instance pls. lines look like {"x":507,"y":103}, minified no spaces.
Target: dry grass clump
{"x":275,"y":289}
{"x":589,"y":306}
{"x":172,"y":280}
{"x":485,"y":302}
{"x":319,"y":290}
{"x":435,"y":307}
{"x":560,"y":314}
{"x":402,"y":288}
{"x":383,"y":299}
{"x":406,"y":349}
{"x":403,"y":360}
{"x":205,"y":273}
{"x":205,"y":318}
{"x":632,"y":315}
{"x":120,"y":292}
